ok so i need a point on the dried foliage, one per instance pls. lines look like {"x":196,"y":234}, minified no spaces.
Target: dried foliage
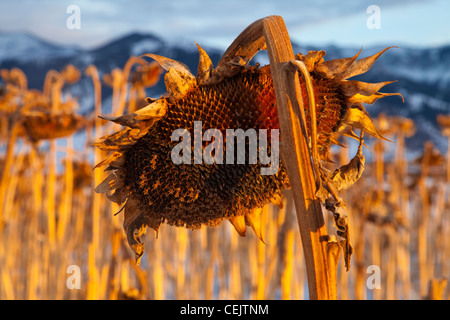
{"x":39,"y":115}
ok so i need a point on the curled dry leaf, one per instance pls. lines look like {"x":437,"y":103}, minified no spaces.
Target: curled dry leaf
{"x":341,"y":222}
{"x":348,"y":174}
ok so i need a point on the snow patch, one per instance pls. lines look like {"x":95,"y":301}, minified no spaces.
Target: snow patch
{"x":145,"y":46}
{"x":25,"y":47}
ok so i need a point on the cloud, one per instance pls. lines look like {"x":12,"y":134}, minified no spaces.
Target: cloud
{"x":210,"y":22}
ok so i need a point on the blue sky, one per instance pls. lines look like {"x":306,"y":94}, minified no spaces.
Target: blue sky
{"x":418,"y":23}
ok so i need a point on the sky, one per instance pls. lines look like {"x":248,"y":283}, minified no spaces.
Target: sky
{"x":416,"y":23}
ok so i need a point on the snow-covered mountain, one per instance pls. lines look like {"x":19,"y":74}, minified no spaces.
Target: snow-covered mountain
{"x":26,"y":48}
{"x":423,"y":74}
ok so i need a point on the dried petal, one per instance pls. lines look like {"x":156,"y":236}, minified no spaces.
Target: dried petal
{"x":359,"y":119}
{"x":107,"y":184}
{"x":119,"y":196}
{"x":334,"y":140}
{"x":253,"y":219}
{"x":278,"y":201}
{"x":360,"y":66}
{"x":352,"y":87}
{"x":311,"y":59}
{"x":112,"y":157}
{"x":205,"y":66}
{"x":229,"y":69}
{"x":178,"y":84}
{"x":112,"y":141}
{"x":135,"y":225}
{"x":348,"y":132}
{"x":331,"y":68}
{"x":238,"y":223}
{"x":127,"y":120}
{"x":154,"y":110}
{"x":359,"y":98}
{"x":168,"y":64}
{"x":178,"y":79}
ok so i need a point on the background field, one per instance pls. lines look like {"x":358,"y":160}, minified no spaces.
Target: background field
{"x":51,"y":219}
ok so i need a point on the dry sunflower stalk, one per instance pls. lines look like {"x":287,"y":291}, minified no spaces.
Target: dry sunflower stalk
{"x":234,"y":95}
{"x":40,"y":115}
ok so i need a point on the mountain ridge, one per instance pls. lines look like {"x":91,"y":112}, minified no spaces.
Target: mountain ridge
{"x":423,"y":74}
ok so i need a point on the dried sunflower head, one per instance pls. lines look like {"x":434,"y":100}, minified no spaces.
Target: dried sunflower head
{"x":31,"y":111}
{"x":40,"y":123}
{"x":234,"y":95}
{"x":71,"y":74}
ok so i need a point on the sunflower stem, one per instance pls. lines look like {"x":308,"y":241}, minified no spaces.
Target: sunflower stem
{"x":93,"y":273}
{"x":7,"y":167}
{"x":297,"y":159}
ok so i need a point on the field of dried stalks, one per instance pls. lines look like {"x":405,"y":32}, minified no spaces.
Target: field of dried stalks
{"x":50,"y":218}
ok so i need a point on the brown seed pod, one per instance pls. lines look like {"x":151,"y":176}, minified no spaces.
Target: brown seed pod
{"x":234,"y":95}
